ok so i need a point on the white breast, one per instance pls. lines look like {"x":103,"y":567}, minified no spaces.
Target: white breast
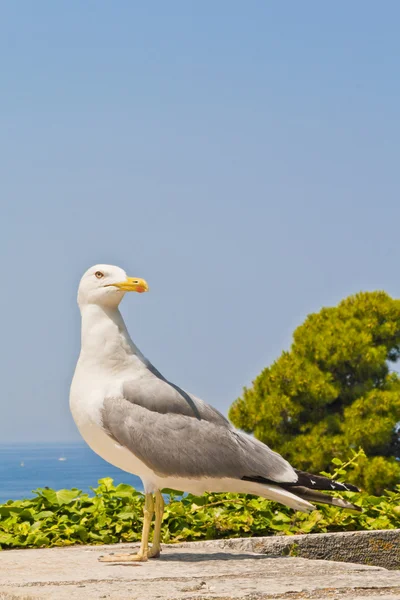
{"x":86,"y":402}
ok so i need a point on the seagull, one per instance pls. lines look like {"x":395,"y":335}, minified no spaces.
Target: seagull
{"x":139,"y":421}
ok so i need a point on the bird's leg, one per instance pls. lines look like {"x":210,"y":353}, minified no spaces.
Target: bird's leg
{"x":155,"y":550}
{"x":143,"y":553}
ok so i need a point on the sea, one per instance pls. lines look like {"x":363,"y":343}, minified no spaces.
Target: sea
{"x":26,"y":467}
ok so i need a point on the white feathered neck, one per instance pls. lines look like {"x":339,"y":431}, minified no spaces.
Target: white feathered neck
{"x":105,"y":341}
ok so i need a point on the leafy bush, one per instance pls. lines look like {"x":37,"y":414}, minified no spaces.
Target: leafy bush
{"x":114,"y":514}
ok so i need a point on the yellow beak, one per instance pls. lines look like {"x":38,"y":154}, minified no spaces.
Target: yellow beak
{"x":132,"y":284}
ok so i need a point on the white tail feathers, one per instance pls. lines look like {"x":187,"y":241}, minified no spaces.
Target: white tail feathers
{"x":278,"y":494}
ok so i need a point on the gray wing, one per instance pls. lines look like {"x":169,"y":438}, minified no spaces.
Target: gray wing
{"x":158,"y":395}
{"x":182,"y":436}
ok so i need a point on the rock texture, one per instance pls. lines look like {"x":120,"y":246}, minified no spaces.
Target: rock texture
{"x":189,"y":572}
{"x":378,"y":548}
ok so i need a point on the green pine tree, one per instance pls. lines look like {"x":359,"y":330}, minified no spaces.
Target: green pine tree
{"x":334,"y":391}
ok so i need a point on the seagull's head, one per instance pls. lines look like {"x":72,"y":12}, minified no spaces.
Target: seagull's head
{"x":106,"y":285}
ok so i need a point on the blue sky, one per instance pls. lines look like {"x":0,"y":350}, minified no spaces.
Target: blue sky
{"x":240,"y":156}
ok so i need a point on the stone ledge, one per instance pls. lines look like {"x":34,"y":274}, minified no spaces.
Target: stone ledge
{"x":214,"y":570}
{"x":379,"y":548}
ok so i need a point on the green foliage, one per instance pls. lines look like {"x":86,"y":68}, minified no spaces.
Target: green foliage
{"x":334,"y":391}
{"x":114,"y":514}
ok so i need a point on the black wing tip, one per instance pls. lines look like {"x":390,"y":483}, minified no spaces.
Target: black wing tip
{"x":345,"y":504}
{"x":318,"y":482}
{"x":309,"y":481}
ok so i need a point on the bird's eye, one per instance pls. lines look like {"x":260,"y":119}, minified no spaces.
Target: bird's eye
{"x":99,"y":274}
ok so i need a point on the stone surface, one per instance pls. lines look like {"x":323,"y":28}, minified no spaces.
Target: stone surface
{"x":195,"y":571}
{"x":378,"y":548}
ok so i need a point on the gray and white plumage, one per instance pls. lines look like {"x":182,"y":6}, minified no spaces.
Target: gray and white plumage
{"x":140,"y":422}
{"x":173,"y":437}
